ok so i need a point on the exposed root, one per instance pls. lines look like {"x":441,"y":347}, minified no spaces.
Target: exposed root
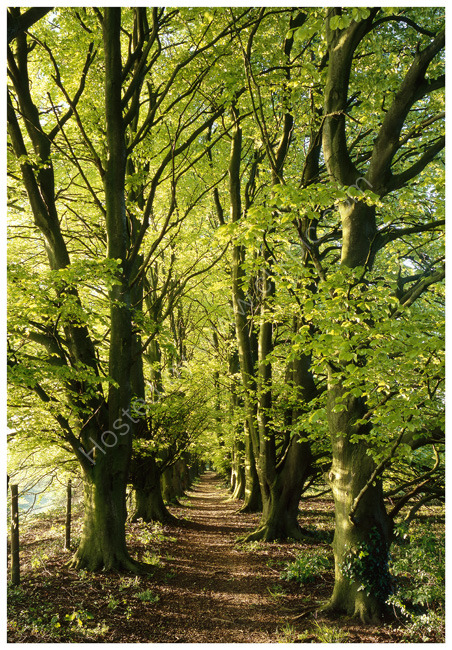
{"x":306,"y":612}
{"x":123,"y":565}
{"x":330,"y":610}
{"x":365,"y":614}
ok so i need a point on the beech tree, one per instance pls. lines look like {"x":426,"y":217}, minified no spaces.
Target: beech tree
{"x":361,"y":518}
{"x":104,"y":142}
{"x":282,"y":460}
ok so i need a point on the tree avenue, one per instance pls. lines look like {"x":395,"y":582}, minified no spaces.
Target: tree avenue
{"x":226,"y":241}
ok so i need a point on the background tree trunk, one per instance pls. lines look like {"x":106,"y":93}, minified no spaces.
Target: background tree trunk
{"x":148,"y":493}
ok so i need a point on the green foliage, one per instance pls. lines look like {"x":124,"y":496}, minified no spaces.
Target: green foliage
{"x":153,"y":559}
{"x":326,"y":633}
{"x":41,"y":620}
{"x":286,"y":634}
{"x":78,"y":618}
{"x":420,"y":628}
{"x":113,"y":603}
{"x":276,"y":591}
{"x":307,"y":567}
{"x":419,"y":567}
{"x":321,"y":633}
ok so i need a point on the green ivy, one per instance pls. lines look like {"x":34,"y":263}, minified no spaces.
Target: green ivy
{"x":368,"y":565}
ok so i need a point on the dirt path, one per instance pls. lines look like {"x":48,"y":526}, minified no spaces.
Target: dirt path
{"x":221,"y":592}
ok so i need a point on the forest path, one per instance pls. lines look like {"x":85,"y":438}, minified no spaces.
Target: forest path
{"x":203,"y":587}
{"x":221,"y":591}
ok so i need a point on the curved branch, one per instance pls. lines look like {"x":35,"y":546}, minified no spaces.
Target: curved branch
{"x":391,"y":234}
{"x":418,"y":289}
{"x":399,"y":180}
{"x":412,"y":88}
{"x":19,"y":23}
{"x":425,"y":479}
{"x":403,"y":19}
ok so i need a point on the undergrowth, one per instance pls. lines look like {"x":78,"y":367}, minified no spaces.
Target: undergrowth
{"x":417,"y":574}
{"x":418,"y":570}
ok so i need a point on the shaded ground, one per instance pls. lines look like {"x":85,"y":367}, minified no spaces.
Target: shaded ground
{"x":205,"y":587}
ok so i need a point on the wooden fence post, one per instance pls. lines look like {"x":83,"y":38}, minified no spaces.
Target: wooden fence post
{"x":67,"y":543}
{"x":15,"y":563}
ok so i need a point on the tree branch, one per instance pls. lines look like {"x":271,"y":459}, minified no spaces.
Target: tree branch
{"x":417,"y":290}
{"x":399,"y":180}
{"x":388,"y":139}
{"x":19,"y":23}
{"x":390,"y":234}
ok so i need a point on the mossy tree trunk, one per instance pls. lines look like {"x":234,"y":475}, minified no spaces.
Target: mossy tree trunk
{"x":282,"y":490}
{"x":171,"y":483}
{"x":238,"y":445}
{"x":103,"y":544}
{"x":283,"y":463}
{"x":281,"y":474}
{"x":103,"y":540}
{"x":363,"y":530}
{"x":238,"y":469}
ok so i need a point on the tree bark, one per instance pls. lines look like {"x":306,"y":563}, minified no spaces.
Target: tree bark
{"x":67,"y":538}
{"x":103,"y":542}
{"x":238,"y":470}
{"x":253,"y":496}
{"x":102,"y":451}
{"x":148,"y":493}
{"x":361,"y":541}
{"x":15,"y":558}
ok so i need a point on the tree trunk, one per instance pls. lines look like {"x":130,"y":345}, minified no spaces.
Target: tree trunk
{"x":103,"y":541}
{"x":148,"y":492}
{"x":15,"y":558}
{"x":67,"y":540}
{"x":363,"y":530}
{"x":253,"y":496}
{"x":238,"y":470}
{"x":166,"y":487}
{"x":171,"y":485}
{"x":282,"y":496}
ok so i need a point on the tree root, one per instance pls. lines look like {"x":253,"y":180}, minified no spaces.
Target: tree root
{"x":307,"y":611}
{"x":124,"y":564}
{"x":366,"y":615}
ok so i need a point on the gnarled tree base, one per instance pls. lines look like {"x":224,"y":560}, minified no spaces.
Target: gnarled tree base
{"x":150,"y":505}
{"x":120,"y":562}
{"x":361,"y":607}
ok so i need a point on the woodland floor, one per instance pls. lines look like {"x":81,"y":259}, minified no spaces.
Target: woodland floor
{"x":205,"y":587}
